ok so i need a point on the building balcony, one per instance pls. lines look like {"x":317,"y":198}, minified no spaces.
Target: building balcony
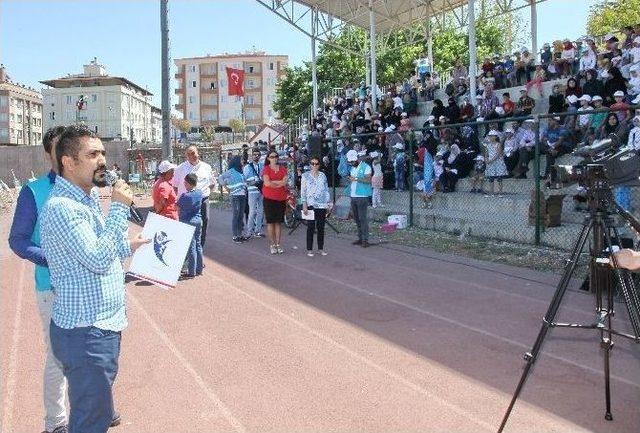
{"x":256,"y":88}
{"x":254,"y":105}
{"x":179,"y":106}
{"x":208,"y":75}
{"x":179,"y":91}
{"x":179,"y":76}
{"x":208,"y":105}
{"x":253,"y":74}
{"x":208,"y":91}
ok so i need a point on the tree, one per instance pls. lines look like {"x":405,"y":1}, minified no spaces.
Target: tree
{"x":612,"y":15}
{"x":293,"y":93}
{"x":208,"y":133}
{"x":182,"y":125}
{"x":236,"y":125}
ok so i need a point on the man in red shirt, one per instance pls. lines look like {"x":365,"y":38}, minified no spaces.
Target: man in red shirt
{"x":164,"y":195}
{"x":507,"y":104}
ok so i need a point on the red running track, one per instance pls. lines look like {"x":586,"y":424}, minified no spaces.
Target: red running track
{"x":387,"y":339}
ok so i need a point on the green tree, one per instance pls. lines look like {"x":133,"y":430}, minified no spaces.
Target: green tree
{"x":612,"y":15}
{"x":293,"y":92}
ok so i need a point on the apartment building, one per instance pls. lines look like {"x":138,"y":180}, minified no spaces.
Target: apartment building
{"x":20,"y":113}
{"x":114,"y":107}
{"x":202,"y":88}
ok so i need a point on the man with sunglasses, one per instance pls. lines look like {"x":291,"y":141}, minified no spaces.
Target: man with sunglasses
{"x":360,"y":192}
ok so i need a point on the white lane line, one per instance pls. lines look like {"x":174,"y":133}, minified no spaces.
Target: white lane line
{"x":385,"y":298}
{"x":9,"y":400}
{"x":237,"y":425}
{"x":415,"y":387}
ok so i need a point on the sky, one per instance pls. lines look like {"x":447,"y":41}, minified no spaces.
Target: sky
{"x":42,"y":40}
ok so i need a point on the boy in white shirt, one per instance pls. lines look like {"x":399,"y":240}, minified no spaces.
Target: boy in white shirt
{"x":584,"y":120}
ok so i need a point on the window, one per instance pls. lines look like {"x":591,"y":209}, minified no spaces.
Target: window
{"x":94,"y":98}
{"x":271,"y":66}
{"x":270,"y":113}
{"x":96,"y":128}
{"x":19,"y":103}
{"x":223,"y":98}
{"x":68,"y":99}
{"x":4,"y":132}
{"x":13,"y":117}
{"x":223,"y":83}
{"x":192,"y":68}
{"x":213,"y":85}
{"x":251,"y":69}
{"x":52,"y":115}
{"x":251,"y":84}
{"x":191,"y":99}
{"x":191,"y":117}
{"x":19,"y":134}
{"x":237,"y":98}
{"x":250,"y":99}
{"x":194,"y":83}
{"x":4,"y":117}
{"x":19,"y":118}
{"x":3,"y":101}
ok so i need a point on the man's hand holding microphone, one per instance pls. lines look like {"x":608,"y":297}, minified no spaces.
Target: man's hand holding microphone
{"x":121,"y":193}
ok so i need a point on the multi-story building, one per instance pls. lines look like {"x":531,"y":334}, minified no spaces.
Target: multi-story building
{"x":113,"y":107}
{"x":156,"y":125}
{"x":203,"y":94}
{"x":20,"y":113}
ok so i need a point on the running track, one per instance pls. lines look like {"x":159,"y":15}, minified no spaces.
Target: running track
{"x":387,"y":339}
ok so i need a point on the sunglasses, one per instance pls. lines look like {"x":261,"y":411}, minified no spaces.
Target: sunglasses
{"x":273,"y":157}
{"x":315,"y":163}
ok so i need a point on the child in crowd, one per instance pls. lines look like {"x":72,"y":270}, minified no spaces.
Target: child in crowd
{"x":493,"y":155}
{"x":376,"y":180}
{"x":428,"y":188}
{"x":438,"y":169}
{"x":478,"y":175}
{"x":189,"y":213}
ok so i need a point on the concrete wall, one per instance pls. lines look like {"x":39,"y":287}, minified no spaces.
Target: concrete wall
{"x":25,"y":159}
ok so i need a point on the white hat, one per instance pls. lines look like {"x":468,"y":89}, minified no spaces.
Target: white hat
{"x":509,"y":129}
{"x":480,"y":119}
{"x":404,"y":114}
{"x":398,"y":146}
{"x":604,"y":74}
{"x":585,"y":98}
{"x":556,"y":118}
{"x":618,"y":93}
{"x":165,"y":166}
{"x":374,"y":154}
{"x":529,"y":121}
{"x":479,"y":158}
{"x":609,"y":36}
{"x":499,"y":110}
{"x":440,"y":153}
{"x":432,"y":117}
{"x":380,"y":129}
{"x":352,"y":156}
{"x":478,"y":96}
{"x":362,"y":153}
{"x":572,"y":99}
{"x":636,"y":100}
{"x":494,"y":133}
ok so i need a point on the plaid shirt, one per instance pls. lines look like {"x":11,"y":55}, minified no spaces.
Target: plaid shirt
{"x":84,"y":251}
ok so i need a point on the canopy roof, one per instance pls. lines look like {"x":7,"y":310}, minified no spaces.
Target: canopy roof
{"x":390,"y":15}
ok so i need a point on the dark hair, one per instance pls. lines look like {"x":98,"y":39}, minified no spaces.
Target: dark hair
{"x":506,"y":94}
{"x":191,"y":179}
{"x":50,"y":135}
{"x":69,"y":143}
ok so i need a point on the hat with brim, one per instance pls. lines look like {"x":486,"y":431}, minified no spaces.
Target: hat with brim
{"x":165,"y":166}
{"x":618,"y":94}
{"x":493,"y":133}
{"x":585,"y":98}
{"x":636,"y":100}
{"x":352,"y":156}
{"x":596,"y":98}
{"x":509,"y":130}
{"x":398,"y":146}
{"x":479,"y":158}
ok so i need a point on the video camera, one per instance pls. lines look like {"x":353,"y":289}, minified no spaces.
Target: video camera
{"x":603,"y":160}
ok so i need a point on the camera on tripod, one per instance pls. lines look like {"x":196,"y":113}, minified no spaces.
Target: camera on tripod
{"x":604,"y":160}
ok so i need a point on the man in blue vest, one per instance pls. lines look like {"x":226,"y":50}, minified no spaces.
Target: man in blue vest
{"x":360,"y":192}
{"x":24,"y":240}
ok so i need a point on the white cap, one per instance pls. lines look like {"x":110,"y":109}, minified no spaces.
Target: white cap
{"x":374,"y":154}
{"x":480,"y":119}
{"x":362,"y":153}
{"x":404,"y":114}
{"x":381,"y":129}
{"x":494,"y":133}
{"x":478,"y":96}
{"x":352,"y":156}
{"x":392,"y":127}
{"x":479,"y":158}
{"x":609,"y":36}
{"x":165,"y":166}
{"x":572,"y":99}
{"x":556,"y":118}
{"x":604,"y":74}
{"x":398,"y":146}
{"x":509,"y":129}
{"x":596,"y":98}
{"x":585,"y":98}
{"x":499,"y":110}
{"x":636,"y":100}
{"x":432,"y":117}
{"x":618,"y":93}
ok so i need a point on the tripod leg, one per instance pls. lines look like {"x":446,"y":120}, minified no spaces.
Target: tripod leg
{"x":530,"y":357}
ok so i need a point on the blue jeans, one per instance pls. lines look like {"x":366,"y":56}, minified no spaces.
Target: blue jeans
{"x":237,"y":204}
{"x":399,"y":179}
{"x":89,"y":358}
{"x":194,"y":255}
{"x":256,"y":214}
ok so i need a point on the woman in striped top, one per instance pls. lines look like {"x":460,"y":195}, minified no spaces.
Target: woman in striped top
{"x":237,"y":186}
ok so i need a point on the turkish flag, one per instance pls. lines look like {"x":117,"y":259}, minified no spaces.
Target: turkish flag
{"x":235,"y":77}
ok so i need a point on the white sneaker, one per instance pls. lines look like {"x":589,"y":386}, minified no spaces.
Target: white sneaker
{"x":273,"y":249}
{"x":310,"y":254}
{"x":323,"y":253}
{"x":279,"y":249}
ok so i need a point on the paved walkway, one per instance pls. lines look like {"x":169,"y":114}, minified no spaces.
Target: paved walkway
{"x":387,"y":339}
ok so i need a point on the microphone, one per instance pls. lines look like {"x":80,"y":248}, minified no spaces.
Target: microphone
{"x":111,"y":178}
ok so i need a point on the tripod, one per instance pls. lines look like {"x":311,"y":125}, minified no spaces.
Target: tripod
{"x":598,"y":224}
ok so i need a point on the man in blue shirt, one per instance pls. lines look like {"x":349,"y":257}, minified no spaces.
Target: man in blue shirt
{"x":555,"y":142}
{"x":24,"y":240}
{"x":84,"y":250}
{"x":189,"y":212}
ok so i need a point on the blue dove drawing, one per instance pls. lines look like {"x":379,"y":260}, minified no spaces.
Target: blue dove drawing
{"x":160,"y":242}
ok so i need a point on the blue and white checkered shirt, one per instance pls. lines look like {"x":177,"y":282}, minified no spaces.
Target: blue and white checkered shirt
{"x":84,"y":251}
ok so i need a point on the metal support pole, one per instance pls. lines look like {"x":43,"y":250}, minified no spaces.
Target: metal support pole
{"x":314,"y":76}
{"x":536,"y":173}
{"x":411,"y":186}
{"x":367,"y":77}
{"x":372,"y":49}
{"x":534,"y":29}
{"x":167,"y":150}
{"x":472,"y":52}
{"x":430,"y":44}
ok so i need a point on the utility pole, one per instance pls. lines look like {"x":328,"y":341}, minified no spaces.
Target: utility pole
{"x":167,"y":150}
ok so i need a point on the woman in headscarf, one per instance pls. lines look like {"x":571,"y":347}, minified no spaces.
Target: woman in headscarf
{"x":438,"y":110}
{"x":235,"y":182}
{"x":616,"y":82}
{"x":573,"y":88}
{"x":451,"y":168}
{"x":592,"y":85}
{"x":611,"y":126}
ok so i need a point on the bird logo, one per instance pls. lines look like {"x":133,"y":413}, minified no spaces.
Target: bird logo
{"x":160,"y":242}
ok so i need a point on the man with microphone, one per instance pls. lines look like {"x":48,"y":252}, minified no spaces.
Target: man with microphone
{"x":84,"y":251}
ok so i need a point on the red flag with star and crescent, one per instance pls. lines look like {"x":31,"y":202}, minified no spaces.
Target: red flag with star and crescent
{"x":235,"y":77}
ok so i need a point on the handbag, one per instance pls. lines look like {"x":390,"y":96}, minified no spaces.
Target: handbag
{"x":259,"y":183}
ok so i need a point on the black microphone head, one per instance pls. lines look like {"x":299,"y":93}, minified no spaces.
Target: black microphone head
{"x":111,"y":177}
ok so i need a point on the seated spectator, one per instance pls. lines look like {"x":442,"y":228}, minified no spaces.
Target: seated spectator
{"x":587,"y":62}
{"x":507,"y":104}
{"x":556,"y":100}
{"x":509,"y":71}
{"x":536,"y":80}
{"x":564,"y":64}
{"x":615,"y":83}
{"x":619,"y":106}
{"x":467,"y":110}
{"x":525,"y":104}
{"x":453,"y":111}
{"x":610,"y":126}
{"x":405,"y":123}
{"x":597,"y":119}
{"x":592,"y":85}
{"x":525,"y":68}
{"x":572,"y":108}
{"x":489,"y":102}
{"x":634,"y":81}
{"x":546,"y":56}
{"x":450,"y":166}
{"x":526,"y":141}
{"x":584,"y":120}
{"x":554,"y":143}
{"x":438,"y":110}
{"x":611,"y":48}
{"x":634,"y":135}
{"x":573,"y":88}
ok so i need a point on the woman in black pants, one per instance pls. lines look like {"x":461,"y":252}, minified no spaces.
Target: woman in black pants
{"x":314,"y":192}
